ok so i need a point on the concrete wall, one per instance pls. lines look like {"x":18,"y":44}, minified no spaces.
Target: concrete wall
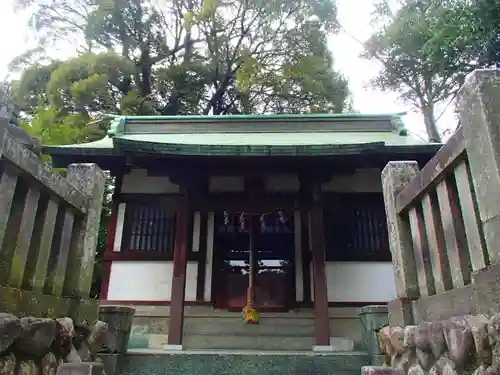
{"x":151,"y":281}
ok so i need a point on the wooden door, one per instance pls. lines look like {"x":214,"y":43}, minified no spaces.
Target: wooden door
{"x":273,"y":247}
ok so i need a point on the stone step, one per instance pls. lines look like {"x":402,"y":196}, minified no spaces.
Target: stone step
{"x":198,"y":311}
{"x":200,"y":342}
{"x":262,"y":343}
{"x":236,"y":327}
{"x":228,"y":363}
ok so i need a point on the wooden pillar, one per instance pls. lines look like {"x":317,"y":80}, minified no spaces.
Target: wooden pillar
{"x":178,"y":281}
{"x":317,"y":241}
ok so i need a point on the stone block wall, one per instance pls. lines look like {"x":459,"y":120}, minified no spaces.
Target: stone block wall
{"x":466,"y":344}
{"x":39,"y":346}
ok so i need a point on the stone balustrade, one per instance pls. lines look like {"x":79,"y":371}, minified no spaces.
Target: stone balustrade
{"x":444,"y":219}
{"x":48,"y":232}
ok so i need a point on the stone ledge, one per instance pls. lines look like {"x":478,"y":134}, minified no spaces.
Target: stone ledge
{"x":84,"y":368}
{"x":29,"y":303}
{"x":172,"y":348}
{"x":380,"y":370}
{"x":442,"y":306}
{"x":480,"y":297}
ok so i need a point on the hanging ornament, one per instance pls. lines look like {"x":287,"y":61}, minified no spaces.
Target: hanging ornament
{"x":226,"y":218}
{"x":281,"y":216}
{"x":242,"y":222}
{"x":263,"y":222}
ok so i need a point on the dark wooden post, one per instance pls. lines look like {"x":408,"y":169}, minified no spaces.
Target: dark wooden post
{"x":191,"y":189}
{"x":178,"y":280}
{"x":319,"y":275}
{"x":310,"y":196}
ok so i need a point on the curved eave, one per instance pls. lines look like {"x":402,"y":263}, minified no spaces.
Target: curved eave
{"x":182,"y":149}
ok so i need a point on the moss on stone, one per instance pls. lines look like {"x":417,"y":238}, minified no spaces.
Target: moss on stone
{"x":30,"y":303}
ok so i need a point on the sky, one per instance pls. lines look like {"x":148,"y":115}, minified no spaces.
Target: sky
{"x":354,"y":16}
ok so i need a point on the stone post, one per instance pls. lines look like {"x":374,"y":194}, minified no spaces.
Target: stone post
{"x":80,"y":368}
{"x":90,"y":180}
{"x":119,"y":320}
{"x":395,"y":176}
{"x":373,"y":317}
{"x":479,"y":111}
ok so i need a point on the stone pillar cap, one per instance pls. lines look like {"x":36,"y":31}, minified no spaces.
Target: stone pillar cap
{"x":117,"y":308}
{"x":371,"y":309}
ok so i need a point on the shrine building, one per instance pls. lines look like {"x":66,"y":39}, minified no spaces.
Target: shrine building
{"x":284,"y":211}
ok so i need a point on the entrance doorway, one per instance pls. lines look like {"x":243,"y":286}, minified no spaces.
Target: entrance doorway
{"x":270,"y":238}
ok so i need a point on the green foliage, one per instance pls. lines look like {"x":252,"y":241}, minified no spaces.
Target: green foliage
{"x":30,"y":91}
{"x":428,"y":47}
{"x":189,"y":57}
{"x":176,"y":57}
{"x":90,"y":83}
{"x":51,"y":129}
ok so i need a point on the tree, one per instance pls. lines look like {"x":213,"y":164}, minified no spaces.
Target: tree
{"x":193,"y":56}
{"x":179,"y":57}
{"x":428,"y":47}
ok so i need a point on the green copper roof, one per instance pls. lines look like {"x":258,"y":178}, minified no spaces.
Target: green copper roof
{"x":249,"y":135}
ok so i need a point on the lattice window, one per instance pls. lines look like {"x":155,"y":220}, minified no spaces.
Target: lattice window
{"x":149,"y":228}
{"x":356,"y":228}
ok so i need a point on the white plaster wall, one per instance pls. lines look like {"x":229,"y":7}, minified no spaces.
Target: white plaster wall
{"x":363,"y":180}
{"x":360,"y":281}
{"x":282,"y":182}
{"x":207,"y":293}
{"x":299,"y":275}
{"x":273,"y":183}
{"x":366,"y":180}
{"x":120,"y":219}
{"x":138,"y":182}
{"x":221,"y":184}
{"x":196,"y":231}
{"x":147,"y":281}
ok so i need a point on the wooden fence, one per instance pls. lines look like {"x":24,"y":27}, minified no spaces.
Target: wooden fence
{"x":444,"y":220}
{"x":48,"y":234}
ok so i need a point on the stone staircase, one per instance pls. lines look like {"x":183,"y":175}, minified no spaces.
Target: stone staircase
{"x":345,"y":363}
{"x":209,"y":329}
{"x":219,"y":343}
{"x":226,"y":330}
